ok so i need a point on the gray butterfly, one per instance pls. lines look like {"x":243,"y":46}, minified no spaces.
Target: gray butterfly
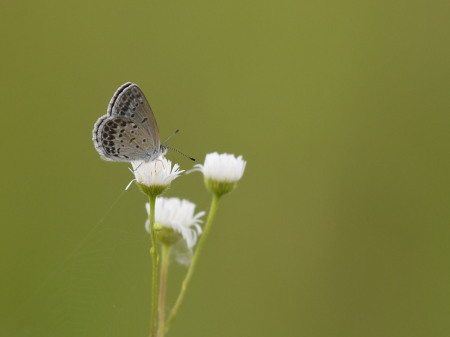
{"x":128,"y":131}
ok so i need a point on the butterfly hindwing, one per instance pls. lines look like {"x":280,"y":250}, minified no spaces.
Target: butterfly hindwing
{"x":120,"y":139}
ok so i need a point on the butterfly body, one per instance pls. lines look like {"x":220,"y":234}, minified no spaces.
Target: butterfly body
{"x":128,"y":132}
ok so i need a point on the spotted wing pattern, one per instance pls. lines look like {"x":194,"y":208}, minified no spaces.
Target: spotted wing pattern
{"x":128,"y":131}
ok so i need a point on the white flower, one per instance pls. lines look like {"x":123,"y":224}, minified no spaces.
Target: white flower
{"x":178,"y":215}
{"x":222,"y":167}
{"x":155,"y":173}
{"x":221,"y":172}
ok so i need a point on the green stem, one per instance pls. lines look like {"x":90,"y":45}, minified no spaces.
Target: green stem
{"x":162,"y":288}
{"x":212,"y":213}
{"x":154,"y":254}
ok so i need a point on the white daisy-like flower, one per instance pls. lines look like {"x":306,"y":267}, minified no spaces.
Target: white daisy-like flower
{"x":222,"y":167}
{"x":222,"y":171}
{"x":155,"y":176}
{"x":177,"y":215}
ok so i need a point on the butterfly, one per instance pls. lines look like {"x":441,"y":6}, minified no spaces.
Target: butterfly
{"x":128,"y":131}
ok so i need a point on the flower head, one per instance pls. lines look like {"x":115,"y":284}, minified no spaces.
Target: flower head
{"x":154,"y":177}
{"x":222,"y":171}
{"x":175,"y":217}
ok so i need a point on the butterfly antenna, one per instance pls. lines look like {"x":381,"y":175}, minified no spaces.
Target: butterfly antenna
{"x":179,"y":152}
{"x":171,"y":148}
{"x":173,"y":134}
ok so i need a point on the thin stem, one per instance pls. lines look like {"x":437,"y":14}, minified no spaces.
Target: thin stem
{"x":154,"y":253}
{"x":162,"y":288}
{"x":187,"y":279}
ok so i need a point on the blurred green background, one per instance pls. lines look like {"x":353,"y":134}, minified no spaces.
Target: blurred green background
{"x":340,"y":226}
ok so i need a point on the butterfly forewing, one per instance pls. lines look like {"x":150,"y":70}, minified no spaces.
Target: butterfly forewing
{"x":129,"y":101}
